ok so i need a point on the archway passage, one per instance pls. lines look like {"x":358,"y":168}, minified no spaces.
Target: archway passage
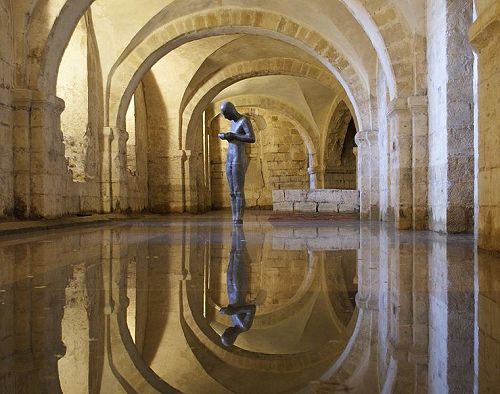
{"x":375,"y":58}
{"x":374,"y":119}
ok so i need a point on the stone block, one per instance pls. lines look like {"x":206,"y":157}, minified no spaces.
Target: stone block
{"x":305,"y":207}
{"x":295,"y":195}
{"x":325,"y":195}
{"x":283,"y":206}
{"x":327,"y":207}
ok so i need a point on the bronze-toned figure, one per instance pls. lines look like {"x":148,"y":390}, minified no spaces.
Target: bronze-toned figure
{"x":241,"y":133}
{"x":241,"y":311}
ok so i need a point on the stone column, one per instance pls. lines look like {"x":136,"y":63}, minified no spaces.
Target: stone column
{"x":118,"y":171}
{"x":420,"y":160}
{"x":372,"y":137}
{"x":40,"y":169}
{"x":363,"y":173}
{"x":6,"y":159}
{"x":400,"y":163}
{"x":484,"y":35}
{"x":106,"y":192}
{"x":316,"y":177}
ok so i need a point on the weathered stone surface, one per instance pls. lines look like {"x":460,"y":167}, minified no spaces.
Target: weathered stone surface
{"x":305,"y":207}
{"x":328,"y":207}
{"x":283,"y":206}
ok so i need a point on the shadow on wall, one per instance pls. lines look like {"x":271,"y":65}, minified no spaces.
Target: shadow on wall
{"x":163,"y":191}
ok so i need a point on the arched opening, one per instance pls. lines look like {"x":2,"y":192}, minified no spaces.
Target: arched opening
{"x":80,"y":85}
{"x":278,"y":159}
{"x":340,"y":158}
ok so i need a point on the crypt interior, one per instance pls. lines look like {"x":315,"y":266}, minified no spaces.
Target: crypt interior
{"x":369,"y":256}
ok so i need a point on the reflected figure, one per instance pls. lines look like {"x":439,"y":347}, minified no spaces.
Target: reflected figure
{"x":242,"y":312}
{"x":241,"y":133}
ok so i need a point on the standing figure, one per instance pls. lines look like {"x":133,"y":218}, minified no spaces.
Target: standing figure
{"x":241,"y":311}
{"x":241,"y":133}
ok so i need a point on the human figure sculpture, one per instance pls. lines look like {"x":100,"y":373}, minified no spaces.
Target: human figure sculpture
{"x":241,"y":133}
{"x":242,"y":312}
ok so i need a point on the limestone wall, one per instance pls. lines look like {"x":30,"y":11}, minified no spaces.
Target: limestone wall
{"x":325,"y":200}
{"x":484,"y":34}
{"x":6,"y":120}
{"x":278,"y":160}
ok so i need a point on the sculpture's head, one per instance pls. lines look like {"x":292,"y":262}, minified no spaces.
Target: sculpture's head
{"x":228,"y":338}
{"x":229,"y":111}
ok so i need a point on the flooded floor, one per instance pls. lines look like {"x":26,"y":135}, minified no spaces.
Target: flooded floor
{"x":193,"y":304}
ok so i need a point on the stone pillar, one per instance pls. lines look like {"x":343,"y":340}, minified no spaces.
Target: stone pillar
{"x":316,"y":177}
{"x":420,"y":160}
{"x":400,"y":163}
{"x":451,"y":103}
{"x":106,"y":192}
{"x":484,"y":35}
{"x":118,"y":170}
{"x":40,"y":169}
{"x":363,"y":173}
{"x":419,"y":351}
{"x":6,"y":159}
{"x":372,"y":137}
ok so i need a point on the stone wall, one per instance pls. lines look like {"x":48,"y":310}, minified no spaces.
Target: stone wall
{"x":6,"y":121}
{"x":278,"y":160}
{"x":321,"y":200}
{"x":484,"y":34}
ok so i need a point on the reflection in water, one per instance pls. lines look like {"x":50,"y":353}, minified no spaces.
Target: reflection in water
{"x":241,"y":311}
{"x":333,"y":307}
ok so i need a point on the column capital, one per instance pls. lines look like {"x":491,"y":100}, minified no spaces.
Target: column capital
{"x":486,"y":28}
{"x":316,"y":169}
{"x":366,"y":136}
{"x":26,"y":98}
{"x":372,"y":137}
{"x":399,"y":104}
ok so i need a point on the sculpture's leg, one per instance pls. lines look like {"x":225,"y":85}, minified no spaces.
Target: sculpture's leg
{"x":232,"y":195}
{"x":239,"y":189}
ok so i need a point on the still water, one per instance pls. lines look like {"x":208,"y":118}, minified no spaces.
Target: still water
{"x":193,"y":304}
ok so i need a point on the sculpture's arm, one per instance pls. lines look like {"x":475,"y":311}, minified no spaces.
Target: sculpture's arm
{"x":248,"y":136}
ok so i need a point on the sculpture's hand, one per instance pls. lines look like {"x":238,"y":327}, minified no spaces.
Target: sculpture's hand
{"x":227,"y":310}
{"x":222,"y":136}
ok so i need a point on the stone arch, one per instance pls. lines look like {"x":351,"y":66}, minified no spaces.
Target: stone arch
{"x":79,"y":84}
{"x":46,"y":46}
{"x":379,"y":21}
{"x":263,"y":179}
{"x":127,"y":72}
{"x":240,"y":71}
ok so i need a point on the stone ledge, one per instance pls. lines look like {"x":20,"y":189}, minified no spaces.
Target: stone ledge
{"x":316,"y":200}
{"x":16,"y":227}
